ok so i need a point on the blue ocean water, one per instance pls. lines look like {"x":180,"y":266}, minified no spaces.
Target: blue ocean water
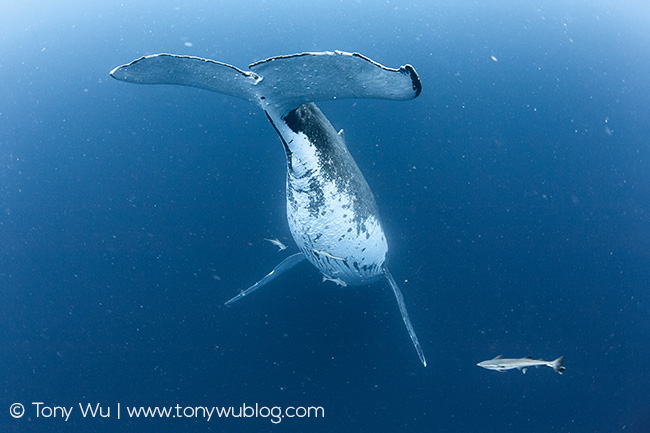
{"x":514,"y":193}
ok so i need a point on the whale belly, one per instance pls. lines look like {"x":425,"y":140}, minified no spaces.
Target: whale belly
{"x":331,"y":211}
{"x":333,"y":236}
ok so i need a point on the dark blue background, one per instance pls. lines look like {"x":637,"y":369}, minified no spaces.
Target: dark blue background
{"x":515,"y":195}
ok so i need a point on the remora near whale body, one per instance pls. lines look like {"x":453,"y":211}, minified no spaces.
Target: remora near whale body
{"x":331,"y":211}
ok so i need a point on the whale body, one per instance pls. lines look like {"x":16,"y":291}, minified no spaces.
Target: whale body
{"x":331,"y":212}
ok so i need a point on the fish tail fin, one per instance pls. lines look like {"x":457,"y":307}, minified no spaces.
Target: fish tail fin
{"x":557,"y":365}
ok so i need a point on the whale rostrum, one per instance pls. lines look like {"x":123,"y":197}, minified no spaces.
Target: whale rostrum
{"x":331,"y":211}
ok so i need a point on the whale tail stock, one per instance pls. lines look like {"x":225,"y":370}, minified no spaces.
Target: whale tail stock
{"x":281,"y":83}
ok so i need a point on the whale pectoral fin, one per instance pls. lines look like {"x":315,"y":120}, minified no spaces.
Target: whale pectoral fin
{"x":405,"y":316}
{"x":284,"y":266}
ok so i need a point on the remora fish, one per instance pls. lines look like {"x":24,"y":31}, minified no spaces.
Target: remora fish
{"x":338,"y":281}
{"x":502,"y":364}
{"x":277,"y":243}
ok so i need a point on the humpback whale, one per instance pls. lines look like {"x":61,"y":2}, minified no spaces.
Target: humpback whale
{"x":331,"y":212}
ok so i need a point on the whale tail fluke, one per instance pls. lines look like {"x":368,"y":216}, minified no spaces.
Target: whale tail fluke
{"x":282,"y":83}
{"x":311,"y":77}
{"x":188,"y":71}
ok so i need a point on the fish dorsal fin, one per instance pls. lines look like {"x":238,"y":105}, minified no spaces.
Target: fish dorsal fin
{"x":498,"y":357}
{"x":529,"y":357}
